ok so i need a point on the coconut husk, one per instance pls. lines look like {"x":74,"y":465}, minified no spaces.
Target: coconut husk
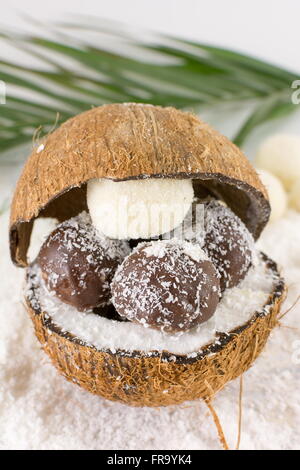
{"x":129,"y":141}
{"x":163,"y":378}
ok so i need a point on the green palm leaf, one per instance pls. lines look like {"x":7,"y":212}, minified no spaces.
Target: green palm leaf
{"x":74,"y":75}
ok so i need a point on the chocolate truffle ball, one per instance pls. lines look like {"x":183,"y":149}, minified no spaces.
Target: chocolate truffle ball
{"x":169,"y":285}
{"x":222,"y":235}
{"x":78,"y":263}
{"x":228,"y":243}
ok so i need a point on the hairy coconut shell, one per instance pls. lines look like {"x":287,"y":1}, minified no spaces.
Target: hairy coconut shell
{"x":163,"y":378}
{"x":128,"y":141}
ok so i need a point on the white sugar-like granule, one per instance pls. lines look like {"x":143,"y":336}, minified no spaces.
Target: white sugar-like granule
{"x":235,"y":308}
{"x":158,"y":249}
{"x":39,"y":409}
{"x":42,"y":227}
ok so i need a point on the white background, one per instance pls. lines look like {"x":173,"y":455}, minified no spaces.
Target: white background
{"x":266,"y":28}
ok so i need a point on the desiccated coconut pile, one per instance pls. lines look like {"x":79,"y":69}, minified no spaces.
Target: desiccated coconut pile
{"x":33,"y":418}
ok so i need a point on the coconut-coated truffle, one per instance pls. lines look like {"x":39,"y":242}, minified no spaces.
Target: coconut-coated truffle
{"x":228,"y":243}
{"x":136,"y":209}
{"x":78,"y":263}
{"x":222,"y":235}
{"x":169,"y":285}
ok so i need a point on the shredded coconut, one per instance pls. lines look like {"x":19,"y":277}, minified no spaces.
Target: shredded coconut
{"x":39,"y":409}
{"x":222,"y":235}
{"x":168,"y":284}
{"x":235,"y":308}
{"x":89,"y":241}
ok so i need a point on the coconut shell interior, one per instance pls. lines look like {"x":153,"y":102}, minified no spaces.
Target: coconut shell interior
{"x":161,"y":379}
{"x":130,"y":141}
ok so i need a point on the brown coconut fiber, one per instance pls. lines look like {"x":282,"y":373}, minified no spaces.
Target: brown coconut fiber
{"x":129,"y":141}
{"x":164,"y":378}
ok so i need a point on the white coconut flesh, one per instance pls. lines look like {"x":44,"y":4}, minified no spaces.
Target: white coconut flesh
{"x":236,"y":307}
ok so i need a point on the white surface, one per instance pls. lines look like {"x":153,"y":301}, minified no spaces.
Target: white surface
{"x":40,"y":410}
{"x":138,"y":209}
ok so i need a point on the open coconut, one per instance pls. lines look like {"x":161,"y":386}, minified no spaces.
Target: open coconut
{"x":123,"y":142}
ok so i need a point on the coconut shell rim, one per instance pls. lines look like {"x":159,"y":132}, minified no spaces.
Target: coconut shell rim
{"x":222,"y":339}
{"x":13,"y":229}
{"x":182,"y":135}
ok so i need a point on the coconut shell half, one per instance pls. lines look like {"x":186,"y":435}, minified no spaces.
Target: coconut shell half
{"x":163,"y":378}
{"x":129,"y":141}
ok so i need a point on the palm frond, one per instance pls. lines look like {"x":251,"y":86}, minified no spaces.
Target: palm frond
{"x":75,"y":75}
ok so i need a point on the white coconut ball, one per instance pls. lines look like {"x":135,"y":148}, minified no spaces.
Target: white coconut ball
{"x":294,"y":197}
{"x":277,"y":194}
{"x":42,"y":227}
{"x":142,"y":208}
{"x":280,"y":155}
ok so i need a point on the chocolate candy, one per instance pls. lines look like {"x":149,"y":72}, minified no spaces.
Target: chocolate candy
{"x":78,"y":263}
{"x":169,"y":285}
{"x":222,"y":235}
{"x":227,"y":242}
